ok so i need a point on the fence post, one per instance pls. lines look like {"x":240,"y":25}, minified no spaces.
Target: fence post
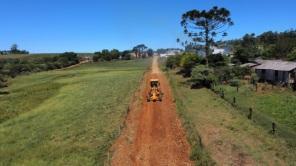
{"x":234,"y":100}
{"x":273,"y":127}
{"x":222,"y":94}
{"x":250,"y":113}
{"x":256,"y":85}
{"x":237,"y":88}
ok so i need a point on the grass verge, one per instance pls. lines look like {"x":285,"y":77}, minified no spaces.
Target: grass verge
{"x":218,"y":130}
{"x":198,"y":153}
{"x":272,"y":105}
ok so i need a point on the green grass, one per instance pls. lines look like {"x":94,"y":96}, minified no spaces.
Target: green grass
{"x":66,"y":117}
{"x":279,"y":105}
{"x":225,"y":131}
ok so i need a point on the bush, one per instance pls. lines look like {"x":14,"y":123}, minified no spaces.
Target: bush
{"x":126,"y":55}
{"x":216,"y":60}
{"x":202,"y":76}
{"x":234,"y":82}
{"x":254,"y":78}
{"x":3,"y":81}
{"x":240,"y":72}
{"x":114,"y":54}
{"x":224,"y":74}
{"x":292,"y":55}
{"x":173,"y":61}
{"x":68,"y":58}
{"x":188,"y":61}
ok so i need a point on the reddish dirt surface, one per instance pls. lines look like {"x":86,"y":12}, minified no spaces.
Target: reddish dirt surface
{"x":153,"y":134}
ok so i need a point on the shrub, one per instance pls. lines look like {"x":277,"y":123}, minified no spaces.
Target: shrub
{"x":234,"y":82}
{"x":240,"y":72}
{"x":254,"y":78}
{"x":173,"y":61}
{"x":224,"y":73}
{"x":126,"y":55}
{"x":216,"y":60}
{"x":3,"y":81}
{"x":202,"y":76}
{"x":114,"y":54}
{"x":292,"y":55}
{"x":188,"y":61}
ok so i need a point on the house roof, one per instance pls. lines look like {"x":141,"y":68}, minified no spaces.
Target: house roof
{"x":277,"y":65}
{"x":248,"y":65}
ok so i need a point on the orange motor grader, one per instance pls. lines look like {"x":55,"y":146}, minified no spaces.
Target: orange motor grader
{"x":154,"y":93}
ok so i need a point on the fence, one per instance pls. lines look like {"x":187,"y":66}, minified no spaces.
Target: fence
{"x":259,"y":118}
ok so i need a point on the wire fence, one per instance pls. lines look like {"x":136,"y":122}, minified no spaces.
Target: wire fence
{"x":268,"y":123}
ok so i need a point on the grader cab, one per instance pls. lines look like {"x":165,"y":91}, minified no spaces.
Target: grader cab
{"x":154,"y":93}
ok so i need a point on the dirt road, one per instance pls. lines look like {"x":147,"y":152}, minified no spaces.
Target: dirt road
{"x":153,"y":134}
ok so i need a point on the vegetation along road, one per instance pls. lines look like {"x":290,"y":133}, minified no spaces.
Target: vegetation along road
{"x":225,"y":136}
{"x":154,"y":134}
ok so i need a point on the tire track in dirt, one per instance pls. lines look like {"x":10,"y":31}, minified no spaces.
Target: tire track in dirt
{"x":153,"y":134}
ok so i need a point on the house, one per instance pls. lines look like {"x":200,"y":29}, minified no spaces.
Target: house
{"x":276,"y":71}
{"x":170,"y":52}
{"x":200,"y":50}
{"x":216,"y":50}
{"x":251,"y":65}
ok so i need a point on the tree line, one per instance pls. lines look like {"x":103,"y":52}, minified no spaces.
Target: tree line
{"x":108,"y":55}
{"x":12,"y":67}
{"x":139,"y":51}
{"x":14,"y":50}
{"x":268,"y":45}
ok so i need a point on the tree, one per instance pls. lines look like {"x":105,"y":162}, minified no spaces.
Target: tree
{"x":114,"y":54}
{"x":150,"y":52}
{"x":139,"y":50}
{"x":14,"y":49}
{"x":270,"y":45}
{"x":105,"y":55}
{"x":292,"y":55}
{"x":204,"y":26}
{"x":126,"y":55}
{"x":247,"y":48}
{"x":67,"y":59}
{"x":188,"y":61}
{"x":202,"y":76}
{"x":215,"y":60}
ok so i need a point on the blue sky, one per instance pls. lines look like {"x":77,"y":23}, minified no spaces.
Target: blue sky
{"x":91,"y":25}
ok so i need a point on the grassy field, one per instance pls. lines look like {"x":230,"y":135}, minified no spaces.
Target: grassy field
{"x":66,"y":117}
{"x":277,"y":104}
{"x":228,"y":136}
